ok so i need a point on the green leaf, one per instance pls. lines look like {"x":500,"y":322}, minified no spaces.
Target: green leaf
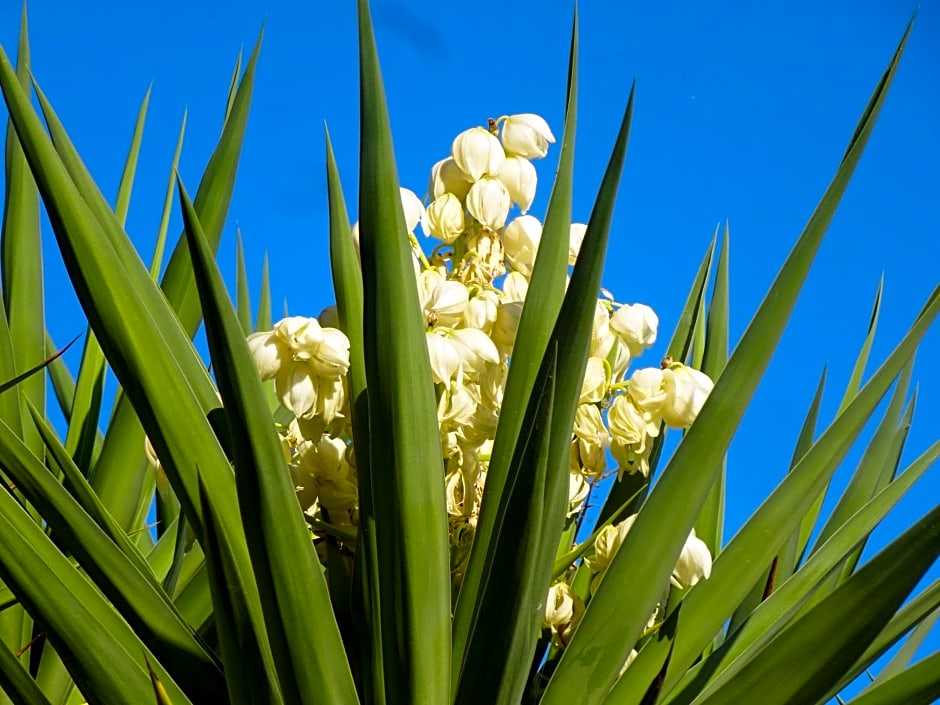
{"x":496,"y":667}
{"x":781,"y":607}
{"x":121,"y":466}
{"x":909,"y":616}
{"x":902,"y":659}
{"x":242,"y":294}
{"x":21,"y":255}
{"x":818,"y":647}
{"x":855,"y":381}
{"x":305,"y":639}
{"x":709,"y":525}
{"x":405,"y":458}
{"x":628,"y":483}
{"x":15,"y":681}
{"x":366,"y":598}
{"x":594,"y":656}
{"x":156,"y":262}
{"x":917,"y":685}
{"x":263,"y":319}
{"x":250,"y":680}
{"x":791,"y":554}
{"x":546,"y":286}
{"x":71,"y":608}
{"x":127,"y":583}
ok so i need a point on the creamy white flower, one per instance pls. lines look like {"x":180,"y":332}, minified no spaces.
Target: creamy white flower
{"x":594,"y":384}
{"x":456,"y":406}
{"x":445,"y":359}
{"x":445,"y":217}
{"x":647,"y":389}
{"x":607,"y":544}
{"x":489,"y":202}
{"x":325,"y":459}
{"x":481,"y":311}
{"x":477,"y":152}
{"x":695,"y":563}
{"x":296,"y":389}
{"x":575,"y":238}
{"x":414,"y":211}
{"x":563,"y":609}
{"x":637,"y":325}
{"x":527,"y":135}
{"x":446,"y":177}
{"x":578,"y":489}
{"x":331,"y":397}
{"x":331,"y":355}
{"x":515,"y":287}
{"x":507,"y":322}
{"x":521,"y":242}
{"x":442,"y":300}
{"x":519,"y":176}
{"x":686,"y":390}
{"x":269,"y":353}
{"x":475,"y":348}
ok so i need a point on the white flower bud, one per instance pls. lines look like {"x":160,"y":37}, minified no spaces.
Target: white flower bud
{"x":695,"y":563}
{"x":475,"y":349}
{"x":269,"y":353}
{"x":296,"y":389}
{"x":414,"y":211}
{"x":443,"y":300}
{"x":445,"y":217}
{"x":507,"y":322}
{"x":646,"y":388}
{"x":686,"y":390}
{"x":477,"y":152}
{"x":594,"y":386}
{"x":578,"y":489}
{"x":488,"y":201}
{"x":637,"y":325}
{"x":527,"y":135}
{"x":481,"y":311}
{"x":575,"y":238}
{"x":445,"y":360}
{"x":519,"y":177}
{"x":521,"y":242}
{"x":515,"y":287}
{"x":325,"y":460}
{"x":608,"y":542}
{"x":562,"y":607}
{"x":446,"y":177}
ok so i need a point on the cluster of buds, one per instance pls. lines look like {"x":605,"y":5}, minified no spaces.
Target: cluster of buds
{"x":472,"y":286}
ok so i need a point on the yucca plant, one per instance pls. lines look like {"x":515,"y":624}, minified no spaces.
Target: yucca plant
{"x":439,"y":440}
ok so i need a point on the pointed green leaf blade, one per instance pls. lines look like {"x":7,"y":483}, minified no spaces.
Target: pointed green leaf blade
{"x":405,"y":459}
{"x":304,"y":637}
{"x":592,"y":660}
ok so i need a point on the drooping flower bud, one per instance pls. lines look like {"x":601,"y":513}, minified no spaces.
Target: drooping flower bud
{"x":527,"y":135}
{"x":694,"y":564}
{"x":519,"y":176}
{"x":489,"y":202}
{"x":686,"y":390}
{"x":646,"y":388}
{"x":446,"y":177}
{"x":414,"y":211}
{"x":576,"y":237}
{"x":521,"y":241}
{"x":445,"y":217}
{"x":637,"y":325}
{"x":477,"y":152}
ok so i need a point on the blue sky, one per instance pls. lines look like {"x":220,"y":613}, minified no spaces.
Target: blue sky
{"x":742,"y":113}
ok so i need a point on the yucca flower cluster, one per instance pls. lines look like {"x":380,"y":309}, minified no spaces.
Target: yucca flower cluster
{"x":472,"y":287}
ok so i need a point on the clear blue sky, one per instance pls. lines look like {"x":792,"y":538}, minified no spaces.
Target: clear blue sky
{"x":742,"y":113}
